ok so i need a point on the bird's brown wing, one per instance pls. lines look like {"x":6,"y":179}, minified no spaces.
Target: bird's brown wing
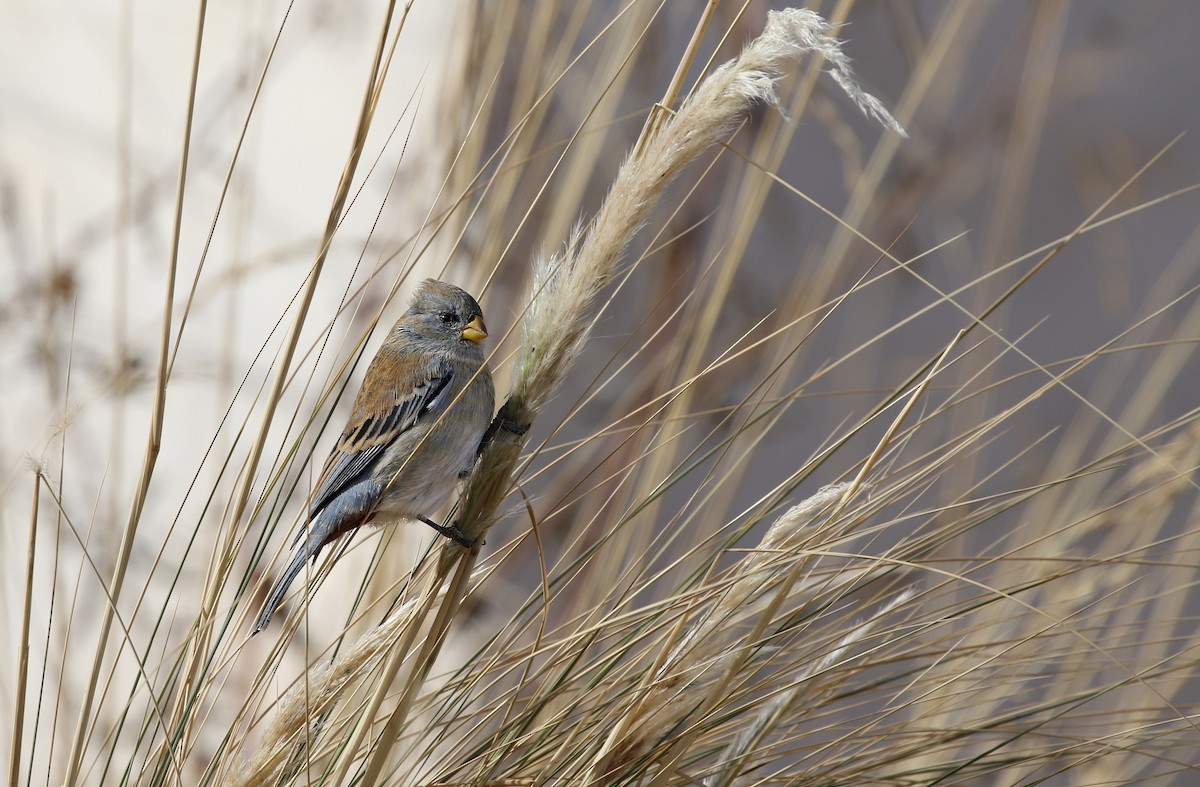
{"x":379,"y":417}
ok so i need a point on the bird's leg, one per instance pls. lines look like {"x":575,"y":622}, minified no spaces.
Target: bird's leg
{"x":451,"y":532}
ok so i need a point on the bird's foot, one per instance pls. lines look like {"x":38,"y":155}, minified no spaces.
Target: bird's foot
{"x":451,"y":532}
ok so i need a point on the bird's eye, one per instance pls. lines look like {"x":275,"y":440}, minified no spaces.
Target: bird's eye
{"x":446,"y":317}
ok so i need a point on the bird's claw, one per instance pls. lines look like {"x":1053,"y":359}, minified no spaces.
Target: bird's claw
{"x":512,"y":426}
{"x":502,"y":422}
{"x":453,"y":533}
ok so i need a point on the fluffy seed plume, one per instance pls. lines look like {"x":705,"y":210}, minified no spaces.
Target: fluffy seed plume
{"x":557,"y":321}
{"x":710,"y":645}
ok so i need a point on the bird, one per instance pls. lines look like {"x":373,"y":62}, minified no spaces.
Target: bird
{"x":415,"y":429}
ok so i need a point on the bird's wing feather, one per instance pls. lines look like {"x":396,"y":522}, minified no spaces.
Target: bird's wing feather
{"x":379,"y":417}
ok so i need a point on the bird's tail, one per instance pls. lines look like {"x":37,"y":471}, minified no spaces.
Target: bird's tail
{"x":281,"y":588}
{"x":334,"y":520}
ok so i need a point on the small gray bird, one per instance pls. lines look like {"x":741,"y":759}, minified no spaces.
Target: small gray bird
{"x":424,"y":405}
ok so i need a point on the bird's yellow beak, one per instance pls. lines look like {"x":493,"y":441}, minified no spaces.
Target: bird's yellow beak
{"x":475,"y":331}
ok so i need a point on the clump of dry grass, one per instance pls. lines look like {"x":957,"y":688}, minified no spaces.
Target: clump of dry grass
{"x":554,"y":329}
{"x":970,"y":594}
{"x":698,"y":669}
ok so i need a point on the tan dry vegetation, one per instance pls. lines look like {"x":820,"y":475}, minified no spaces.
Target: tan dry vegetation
{"x":822,"y":507}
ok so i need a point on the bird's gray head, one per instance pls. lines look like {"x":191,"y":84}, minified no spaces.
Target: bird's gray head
{"x":444,"y":313}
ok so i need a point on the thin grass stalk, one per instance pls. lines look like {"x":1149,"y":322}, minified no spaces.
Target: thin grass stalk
{"x":122,"y":233}
{"x":423,"y":662}
{"x":871,"y":461}
{"x":519,"y":142}
{"x":676,"y":84}
{"x":154,"y":443}
{"x":397,"y":653}
{"x":587,"y":149}
{"x":866,"y":188}
{"x":1032,"y":102}
{"x":18,"y":726}
{"x":223,"y":193}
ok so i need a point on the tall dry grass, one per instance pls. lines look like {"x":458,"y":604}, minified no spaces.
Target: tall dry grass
{"x":826,"y":509}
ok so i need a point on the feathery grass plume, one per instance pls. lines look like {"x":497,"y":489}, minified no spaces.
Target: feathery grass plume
{"x":738,"y":757}
{"x":557,"y":320}
{"x":677,"y":687}
{"x":564,"y":285}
